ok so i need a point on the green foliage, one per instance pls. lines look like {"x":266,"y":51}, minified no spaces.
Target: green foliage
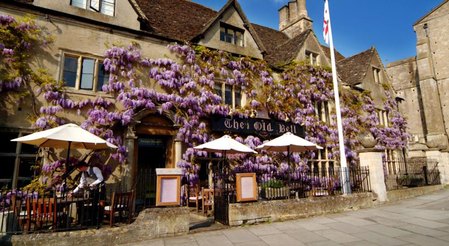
{"x":273,"y":183}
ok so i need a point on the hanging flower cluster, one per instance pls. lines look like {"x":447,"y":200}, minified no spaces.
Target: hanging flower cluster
{"x":393,"y":135}
{"x":20,"y":39}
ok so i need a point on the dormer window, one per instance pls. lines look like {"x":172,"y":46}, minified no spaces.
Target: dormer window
{"x":231,"y":34}
{"x":106,"y":7}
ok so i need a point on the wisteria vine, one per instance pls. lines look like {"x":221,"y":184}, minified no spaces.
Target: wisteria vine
{"x":301,"y":94}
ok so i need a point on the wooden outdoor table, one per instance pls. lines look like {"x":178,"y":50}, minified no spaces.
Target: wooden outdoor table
{"x":74,"y":208}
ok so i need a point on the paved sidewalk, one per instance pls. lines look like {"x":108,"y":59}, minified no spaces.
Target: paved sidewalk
{"x":422,"y":220}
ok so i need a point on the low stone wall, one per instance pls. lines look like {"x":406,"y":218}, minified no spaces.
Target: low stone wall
{"x":401,"y":194}
{"x":280,"y":210}
{"x":151,"y":223}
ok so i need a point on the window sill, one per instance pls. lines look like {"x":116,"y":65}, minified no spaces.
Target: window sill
{"x":92,"y":12}
{"x":74,"y":91}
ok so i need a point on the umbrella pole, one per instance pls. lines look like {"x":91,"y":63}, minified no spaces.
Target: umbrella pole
{"x":288,"y":163}
{"x":67,"y":165}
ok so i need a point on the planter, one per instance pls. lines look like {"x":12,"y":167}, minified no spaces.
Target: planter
{"x":275,"y":193}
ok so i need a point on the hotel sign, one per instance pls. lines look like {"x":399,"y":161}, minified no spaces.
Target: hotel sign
{"x":254,"y":126}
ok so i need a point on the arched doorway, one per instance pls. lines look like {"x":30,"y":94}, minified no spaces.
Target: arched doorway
{"x":153,"y":148}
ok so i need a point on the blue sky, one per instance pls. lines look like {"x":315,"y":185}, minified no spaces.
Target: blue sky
{"x":356,"y":24}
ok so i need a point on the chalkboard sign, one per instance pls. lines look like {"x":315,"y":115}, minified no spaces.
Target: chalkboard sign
{"x":246,"y":187}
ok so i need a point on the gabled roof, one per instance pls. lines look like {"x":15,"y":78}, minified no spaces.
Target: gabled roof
{"x":270,"y":38}
{"x":178,"y":19}
{"x":185,"y":20}
{"x":327,"y":52}
{"x":138,"y":10}
{"x":353,"y":69}
{"x":245,"y":20}
{"x":188,"y":21}
{"x":287,"y":51}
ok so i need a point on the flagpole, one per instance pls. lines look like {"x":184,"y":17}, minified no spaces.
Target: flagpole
{"x":344,"y":167}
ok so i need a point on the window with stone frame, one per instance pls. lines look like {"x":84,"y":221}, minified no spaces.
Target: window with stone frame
{"x":83,"y":72}
{"x":231,"y":95}
{"x":322,"y":111}
{"x":106,"y":7}
{"x":377,"y":75}
{"x":392,"y":161}
{"x":17,"y":160}
{"x":321,"y":165}
{"x":312,"y":57}
{"x":231,"y":34}
{"x":383,"y":117}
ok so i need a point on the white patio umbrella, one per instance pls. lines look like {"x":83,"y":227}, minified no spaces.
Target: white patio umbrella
{"x":226,"y":145}
{"x":290,"y":143}
{"x":66,"y":137}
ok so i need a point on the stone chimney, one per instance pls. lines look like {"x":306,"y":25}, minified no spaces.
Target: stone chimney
{"x":293,"y":18}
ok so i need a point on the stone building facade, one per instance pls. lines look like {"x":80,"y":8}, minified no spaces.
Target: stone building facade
{"x":82,"y":32}
{"x":423,"y":82}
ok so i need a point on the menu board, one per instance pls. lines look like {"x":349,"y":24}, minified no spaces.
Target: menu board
{"x":168,"y":190}
{"x":246,"y":187}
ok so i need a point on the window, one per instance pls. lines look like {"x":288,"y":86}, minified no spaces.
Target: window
{"x":393,"y":165}
{"x":377,"y":75}
{"x":17,"y":161}
{"x":102,"y":6}
{"x":230,"y":34}
{"x":383,"y":117}
{"x":322,"y":165}
{"x":230,"y":95}
{"x":322,"y":111}
{"x":84,"y":73}
{"x":312,"y":58}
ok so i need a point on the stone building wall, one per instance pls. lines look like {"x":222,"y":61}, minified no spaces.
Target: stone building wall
{"x":423,"y":83}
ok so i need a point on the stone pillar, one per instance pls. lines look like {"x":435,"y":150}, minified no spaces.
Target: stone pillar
{"x":372,"y":159}
{"x":443,"y":163}
{"x":178,"y":151}
{"x":130,"y":168}
{"x":443,"y":167}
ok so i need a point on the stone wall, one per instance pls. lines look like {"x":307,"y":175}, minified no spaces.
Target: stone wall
{"x":401,"y":194}
{"x":280,"y":210}
{"x":151,"y":223}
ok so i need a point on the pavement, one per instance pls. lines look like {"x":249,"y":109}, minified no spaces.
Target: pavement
{"x":422,"y":220}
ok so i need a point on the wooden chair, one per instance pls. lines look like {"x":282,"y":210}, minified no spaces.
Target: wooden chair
{"x":207,"y":200}
{"x":39,"y":212}
{"x":120,"y":207}
{"x":195,"y":196}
